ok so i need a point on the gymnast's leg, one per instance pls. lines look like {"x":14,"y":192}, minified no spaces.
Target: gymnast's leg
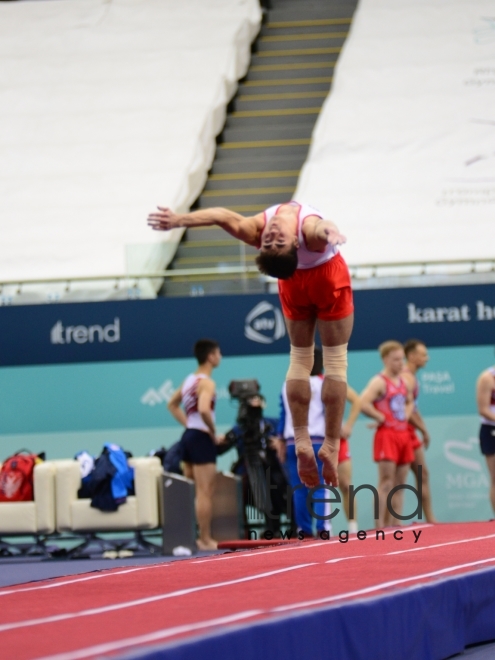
{"x":302,"y":339}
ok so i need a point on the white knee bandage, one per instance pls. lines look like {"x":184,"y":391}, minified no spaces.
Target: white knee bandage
{"x":335,"y":362}
{"x":301,"y":362}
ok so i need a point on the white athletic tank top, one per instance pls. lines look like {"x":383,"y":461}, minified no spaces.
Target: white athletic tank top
{"x":305,"y":258}
{"x":484,"y":420}
{"x":190,"y":401}
{"x":316,"y":416}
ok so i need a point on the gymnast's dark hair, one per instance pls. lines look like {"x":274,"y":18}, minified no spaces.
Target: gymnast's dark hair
{"x":282,"y":266}
{"x":411,"y":345}
{"x":203,"y":348}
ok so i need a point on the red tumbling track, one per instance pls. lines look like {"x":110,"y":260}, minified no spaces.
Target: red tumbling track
{"x":111,"y":612}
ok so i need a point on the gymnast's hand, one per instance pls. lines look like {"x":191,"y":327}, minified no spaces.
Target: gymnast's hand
{"x":164,"y":219}
{"x":333,"y":236}
{"x":326,"y":231}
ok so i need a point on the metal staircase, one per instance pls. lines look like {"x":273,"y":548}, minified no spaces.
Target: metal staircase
{"x":266,"y":136}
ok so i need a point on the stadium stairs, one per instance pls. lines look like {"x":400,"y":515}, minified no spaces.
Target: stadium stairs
{"x":266,"y":137}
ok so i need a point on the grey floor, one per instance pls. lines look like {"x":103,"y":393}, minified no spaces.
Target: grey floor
{"x":21,"y":570}
{"x":479,"y":652}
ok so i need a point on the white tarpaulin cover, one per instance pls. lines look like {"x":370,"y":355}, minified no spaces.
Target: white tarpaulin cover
{"x":106,"y":110}
{"x":403,"y":153}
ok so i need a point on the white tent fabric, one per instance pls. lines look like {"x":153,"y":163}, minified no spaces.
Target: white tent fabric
{"x":108,"y":108}
{"x":403,"y":153}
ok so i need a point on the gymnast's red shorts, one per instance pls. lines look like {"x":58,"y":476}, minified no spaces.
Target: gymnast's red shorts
{"x":344,"y":451}
{"x":323,"y":292}
{"x":395,"y":446}
{"x":415,"y":441}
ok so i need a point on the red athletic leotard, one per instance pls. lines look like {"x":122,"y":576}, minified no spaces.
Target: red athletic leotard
{"x":392,"y":440}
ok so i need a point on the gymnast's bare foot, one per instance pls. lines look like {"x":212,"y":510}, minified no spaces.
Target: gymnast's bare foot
{"x":329,"y":456}
{"x":307,"y":467}
{"x":208,"y":544}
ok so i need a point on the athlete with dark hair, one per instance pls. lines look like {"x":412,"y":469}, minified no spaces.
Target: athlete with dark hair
{"x":198,"y":443}
{"x":416,"y":358}
{"x":300,"y":249}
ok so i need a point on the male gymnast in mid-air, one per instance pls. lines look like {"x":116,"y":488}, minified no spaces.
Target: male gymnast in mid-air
{"x":300,"y":249}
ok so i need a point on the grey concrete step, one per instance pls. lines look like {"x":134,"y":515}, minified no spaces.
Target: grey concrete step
{"x":300,"y":42}
{"x":211,"y":249}
{"x":258,"y":196}
{"x":254,"y":153}
{"x":213,"y":233}
{"x":299,"y":28}
{"x":251,"y":183}
{"x":274,"y":116}
{"x":309,"y":9}
{"x":274,"y":58}
{"x":213,"y":287}
{"x":275,"y":102}
{"x":255,"y":160}
{"x":279,"y":131}
{"x":283,"y":86}
{"x":274,"y":71}
{"x":213,"y":261}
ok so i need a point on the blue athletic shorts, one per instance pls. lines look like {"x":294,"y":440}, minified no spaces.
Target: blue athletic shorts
{"x":487,"y":439}
{"x":197,"y":447}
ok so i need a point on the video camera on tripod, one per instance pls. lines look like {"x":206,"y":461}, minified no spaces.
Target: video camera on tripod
{"x":250,"y":413}
{"x":257,"y":460}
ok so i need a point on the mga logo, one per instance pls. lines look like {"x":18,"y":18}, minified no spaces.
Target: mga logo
{"x":264,"y":324}
{"x":461,"y":453}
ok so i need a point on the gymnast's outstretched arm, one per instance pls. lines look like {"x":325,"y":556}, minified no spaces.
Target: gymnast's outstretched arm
{"x":247,"y":229}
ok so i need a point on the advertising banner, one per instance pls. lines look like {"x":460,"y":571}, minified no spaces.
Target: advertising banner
{"x":76,"y":376}
{"x":244,"y":325}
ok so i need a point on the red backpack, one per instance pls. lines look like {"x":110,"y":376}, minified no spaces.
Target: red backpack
{"x":16,"y":478}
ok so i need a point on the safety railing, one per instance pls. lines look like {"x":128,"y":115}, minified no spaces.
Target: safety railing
{"x":360,"y":272}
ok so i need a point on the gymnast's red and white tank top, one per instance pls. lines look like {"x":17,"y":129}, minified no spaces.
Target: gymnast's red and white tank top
{"x":484,"y":420}
{"x":190,"y":402}
{"x":393,"y":404}
{"x":305,"y":258}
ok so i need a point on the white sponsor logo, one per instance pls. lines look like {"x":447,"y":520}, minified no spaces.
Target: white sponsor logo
{"x":437,"y":382}
{"x":437,"y":314}
{"x":466,"y":488}
{"x":461,"y":459}
{"x":163,"y":394}
{"x":264,"y":324}
{"x":81,"y":334}
{"x":484,"y":312}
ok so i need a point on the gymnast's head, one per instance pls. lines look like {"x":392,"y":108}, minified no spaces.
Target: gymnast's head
{"x":278,"y":252}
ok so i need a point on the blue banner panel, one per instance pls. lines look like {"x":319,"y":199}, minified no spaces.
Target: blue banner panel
{"x":243,"y":325}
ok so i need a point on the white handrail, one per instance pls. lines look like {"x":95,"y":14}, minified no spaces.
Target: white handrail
{"x":374,"y":270}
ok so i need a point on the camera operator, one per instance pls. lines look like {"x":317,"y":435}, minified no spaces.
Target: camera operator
{"x":263,"y":479}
